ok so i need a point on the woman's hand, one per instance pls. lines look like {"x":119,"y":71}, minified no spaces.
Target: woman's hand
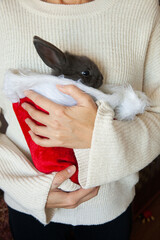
{"x":70,"y":127}
{"x":59,"y":199}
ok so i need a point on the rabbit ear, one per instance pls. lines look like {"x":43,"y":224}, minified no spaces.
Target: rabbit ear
{"x":51,"y":55}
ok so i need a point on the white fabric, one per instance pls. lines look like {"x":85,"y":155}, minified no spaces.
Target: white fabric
{"x":124,"y":100}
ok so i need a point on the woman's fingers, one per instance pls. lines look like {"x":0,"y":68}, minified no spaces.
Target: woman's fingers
{"x":36,"y":114}
{"x":59,"y":199}
{"x":80,"y":196}
{"x":70,"y":127}
{"x":38,"y":130}
{"x":62,"y":176}
{"x":43,"y":142}
{"x":81,"y":97}
{"x":41,"y":101}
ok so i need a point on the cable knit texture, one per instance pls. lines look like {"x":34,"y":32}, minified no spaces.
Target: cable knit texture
{"x":123,"y":38}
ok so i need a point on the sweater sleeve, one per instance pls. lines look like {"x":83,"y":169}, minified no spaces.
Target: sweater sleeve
{"x":25,"y":186}
{"x":121,"y":148}
{"x":19,"y":179}
{"x":22,"y":182}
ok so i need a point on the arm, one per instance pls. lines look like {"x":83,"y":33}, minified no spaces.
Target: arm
{"x":22,"y":181}
{"x":121,"y":148}
{"x":18,"y":177}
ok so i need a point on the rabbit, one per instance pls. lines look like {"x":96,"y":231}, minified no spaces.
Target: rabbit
{"x":77,"y":70}
{"x":123,"y":100}
{"x":71,"y":66}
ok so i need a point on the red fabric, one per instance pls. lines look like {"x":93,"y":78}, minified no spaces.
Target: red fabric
{"x":46,"y":160}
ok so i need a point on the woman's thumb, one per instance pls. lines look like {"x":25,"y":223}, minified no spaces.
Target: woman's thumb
{"x":62,"y":176}
{"x":76,"y":93}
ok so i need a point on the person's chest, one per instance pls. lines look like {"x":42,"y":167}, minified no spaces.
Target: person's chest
{"x":119,"y":49}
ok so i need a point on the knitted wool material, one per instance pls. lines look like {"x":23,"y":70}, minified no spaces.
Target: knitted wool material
{"x":125,"y":102}
{"x":123,"y":39}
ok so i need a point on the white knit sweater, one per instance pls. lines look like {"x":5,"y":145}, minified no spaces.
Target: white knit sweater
{"x":123,"y":38}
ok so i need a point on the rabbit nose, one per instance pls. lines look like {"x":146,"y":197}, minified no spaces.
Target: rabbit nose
{"x":98,"y":82}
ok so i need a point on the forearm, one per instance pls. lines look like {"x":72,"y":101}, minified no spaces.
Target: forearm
{"x":119,"y":148}
{"x":22,"y":181}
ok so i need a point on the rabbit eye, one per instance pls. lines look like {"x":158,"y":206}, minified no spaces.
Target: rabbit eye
{"x":85,"y":73}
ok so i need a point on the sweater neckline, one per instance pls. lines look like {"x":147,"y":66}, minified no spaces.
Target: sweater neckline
{"x":73,"y":10}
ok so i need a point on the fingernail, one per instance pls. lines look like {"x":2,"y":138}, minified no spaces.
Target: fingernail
{"x":71,"y":169}
{"x":61,"y":87}
{"x":26,"y":120}
{"x":26,"y":92}
{"x":23,"y":105}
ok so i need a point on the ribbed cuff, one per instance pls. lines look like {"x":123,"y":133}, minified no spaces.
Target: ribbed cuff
{"x":86,"y":178}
